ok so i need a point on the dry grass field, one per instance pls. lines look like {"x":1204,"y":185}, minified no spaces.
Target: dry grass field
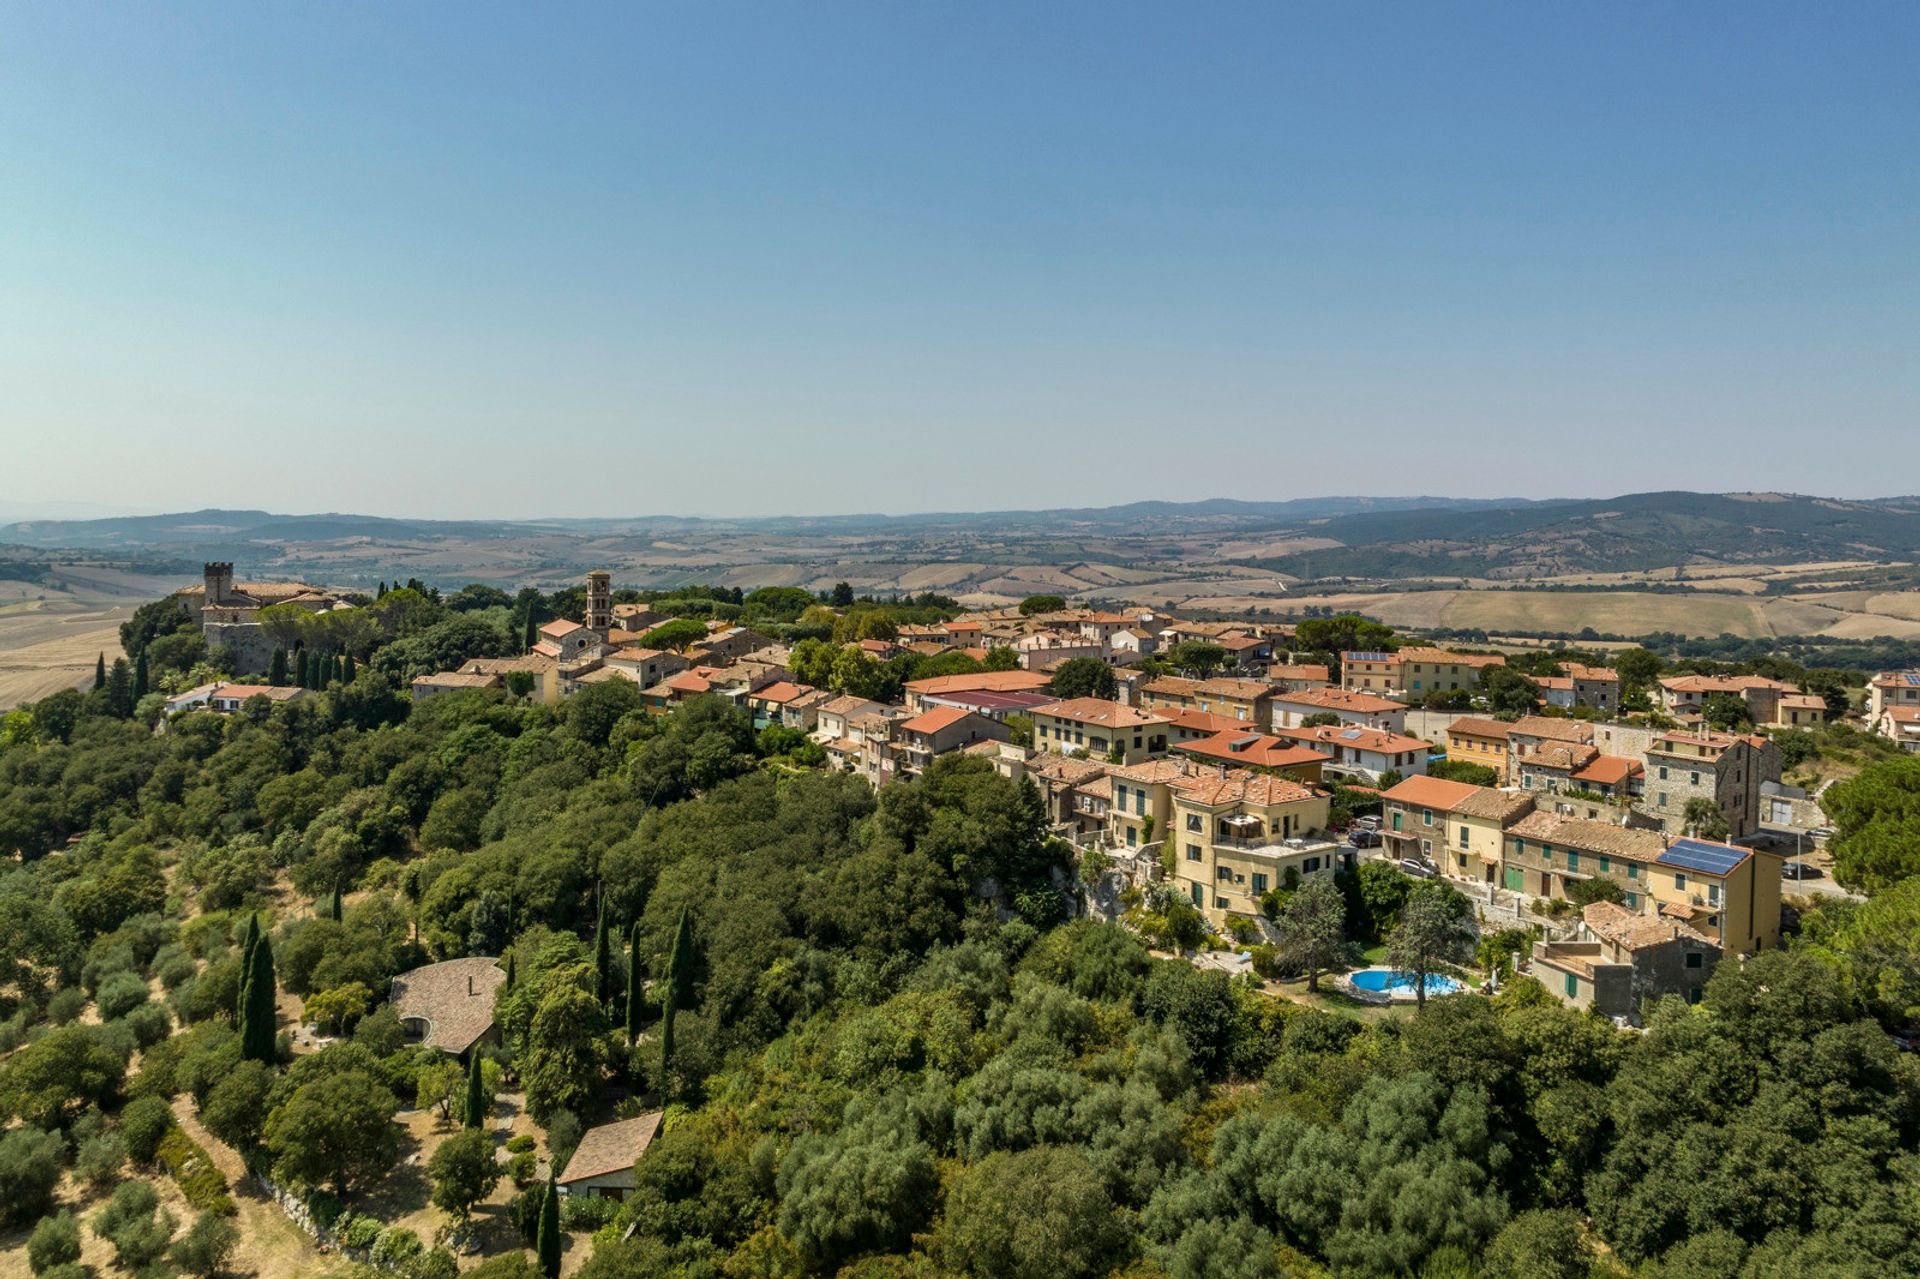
{"x":48,"y":645}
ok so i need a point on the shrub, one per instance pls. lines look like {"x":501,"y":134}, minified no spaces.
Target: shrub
{"x":99,"y":1159}
{"x":130,"y":1222}
{"x":54,"y":1242}
{"x":437,"y":1264}
{"x":360,"y":1232}
{"x":396,"y":1246}
{"x":119,"y":995}
{"x":521,"y":1167}
{"x":193,"y":1169}
{"x":29,"y":1169}
{"x":150,"y":1023}
{"x":173,"y":965}
{"x":67,"y":1003}
{"x":587,"y":1212}
{"x":143,"y":1124}
{"x":206,"y":1247}
{"x":522,"y":1142}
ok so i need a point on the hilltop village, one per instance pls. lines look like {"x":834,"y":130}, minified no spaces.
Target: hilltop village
{"x":698,"y":932}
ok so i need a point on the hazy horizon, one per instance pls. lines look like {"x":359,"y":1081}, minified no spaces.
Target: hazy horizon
{"x":505,"y":263}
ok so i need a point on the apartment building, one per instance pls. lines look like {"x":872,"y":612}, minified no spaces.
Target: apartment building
{"x":920,"y":690}
{"x":1101,"y":728}
{"x":1412,"y":673}
{"x":1364,"y":754}
{"x":1728,"y":894}
{"x":1240,"y":749}
{"x":1413,"y":815}
{"x":1238,"y":834}
{"x":1688,"y":764}
{"x":1472,"y":740}
{"x":1364,"y":709}
{"x":1891,"y":689}
{"x":1682,"y":696}
{"x":1244,"y":701}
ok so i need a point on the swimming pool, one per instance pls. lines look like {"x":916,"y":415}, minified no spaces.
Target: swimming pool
{"x":1399,"y":985}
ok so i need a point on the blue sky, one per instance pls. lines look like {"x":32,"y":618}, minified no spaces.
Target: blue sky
{"x":513,"y":260}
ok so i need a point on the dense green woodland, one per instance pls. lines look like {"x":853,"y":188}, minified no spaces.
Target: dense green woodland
{"x":883,"y":1049}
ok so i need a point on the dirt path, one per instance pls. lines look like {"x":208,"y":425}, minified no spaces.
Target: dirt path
{"x":271,"y":1247}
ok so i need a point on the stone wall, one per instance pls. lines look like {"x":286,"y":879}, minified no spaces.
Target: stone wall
{"x":249,"y":642}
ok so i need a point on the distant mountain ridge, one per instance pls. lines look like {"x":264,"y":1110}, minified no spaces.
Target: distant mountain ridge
{"x":1352,"y":537}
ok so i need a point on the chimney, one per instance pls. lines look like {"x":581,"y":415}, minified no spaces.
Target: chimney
{"x":469,"y":983}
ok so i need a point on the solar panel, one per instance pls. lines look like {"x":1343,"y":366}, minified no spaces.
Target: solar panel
{"x":1693,"y":854}
{"x":1351,"y":735}
{"x":1914,"y":680}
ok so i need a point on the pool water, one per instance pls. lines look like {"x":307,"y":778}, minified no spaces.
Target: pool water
{"x":1386,"y":981}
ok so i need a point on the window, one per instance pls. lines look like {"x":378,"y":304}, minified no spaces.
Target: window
{"x":1573,"y":986}
{"x":1193,"y":821}
{"x":1310,"y":865}
{"x":1223,"y":872}
{"x":1633,"y":872}
{"x":1426,"y":817}
{"x":1713,"y":894}
{"x":1199,"y":898}
{"x":1606,"y":864}
{"x":1133,"y":837}
{"x":1695,"y":959}
{"x":1693,"y":778}
{"x":1426,"y":848}
{"x":1693,"y":996}
{"x":1633,"y":901}
{"x":1259,"y":881}
{"x":1221,"y":902}
{"x":1193,"y":852}
{"x":1663,"y":799}
{"x":1463,"y":837}
{"x":1663,"y":776}
{"x":1573,"y":860}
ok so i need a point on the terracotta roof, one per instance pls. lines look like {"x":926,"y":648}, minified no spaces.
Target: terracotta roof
{"x":1609,"y":770}
{"x":533,"y":663}
{"x":242,"y":692}
{"x":1309,"y":672}
{"x":1097,"y":710}
{"x":1244,"y":689}
{"x":1590,"y":836}
{"x":561,"y":627}
{"x":1440,"y":656}
{"x":1338,"y":699}
{"x":845,"y":704}
{"x":1252,"y":750}
{"x":1631,"y":931}
{"x":1547,"y":726}
{"x":1501,"y":806}
{"x":935,"y":720}
{"x":610,"y":1148}
{"x":1207,"y":722}
{"x":1429,"y":792}
{"x":1064,"y":768}
{"x":1239,"y":786}
{"x":1591,"y":674}
{"x":781,"y":692}
{"x":1474,"y":726}
{"x":454,"y":998}
{"x":1723,"y":684}
{"x":1154,"y":772}
{"x":1567,"y":756}
{"x":1100,"y":787}
{"x":1355,"y":738}
{"x":455,"y":679}
{"x":992,"y":681}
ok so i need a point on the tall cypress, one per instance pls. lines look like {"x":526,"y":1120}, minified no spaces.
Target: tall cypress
{"x":508,"y":983}
{"x":546,"y":1246}
{"x":337,"y":905}
{"x":635,"y":1000}
{"x":346,"y":668}
{"x":277,"y":668}
{"x":340,"y":668}
{"x":120,"y":689}
{"x":100,"y":672}
{"x":476,"y":1094}
{"x":679,"y":985}
{"x":532,"y":635}
{"x":256,"y":1026}
{"x":249,"y":938}
{"x":141,"y":676}
{"x":602,"y":957}
{"x":300,"y":668}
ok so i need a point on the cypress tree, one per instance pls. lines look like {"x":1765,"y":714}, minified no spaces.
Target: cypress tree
{"x":476,"y":1093}
{"x":678,"y":984}
{"x":277,"y":668}
{"x":256,"y":1025}
{"x":346,"y":668}
{"x":300,"y":668}
{"x":100,"y":672}
{"x":120,"y":689}
{"x":140,"y":676}
{"x":249,"y":937}
{"x":383,"y":589}
{"x":533,"y":634}
{"x":337,"y":904}
{"x":509,"y":981}
{"x":635,"y":1000}
{"x":340,"y":668}
{"x":602,"y":958}
{"x":546,"y":1246}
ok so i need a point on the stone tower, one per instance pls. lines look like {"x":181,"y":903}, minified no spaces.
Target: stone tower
{"x":219,"y":580}
{"x":599,"y":617}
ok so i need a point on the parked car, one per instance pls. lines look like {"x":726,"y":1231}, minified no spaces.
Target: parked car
{"x":1417,"y":869}
{"x":1370,"y":822}
{"x":1363,"y":837}
{"x":1800,"y":870}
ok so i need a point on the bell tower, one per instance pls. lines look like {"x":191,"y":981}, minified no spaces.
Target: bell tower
{"x":219,"y":582}
{"x":599,"y":617}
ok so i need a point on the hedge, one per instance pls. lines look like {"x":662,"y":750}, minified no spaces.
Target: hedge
{"x":200,"y":1181}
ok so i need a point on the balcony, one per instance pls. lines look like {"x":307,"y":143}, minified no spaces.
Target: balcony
{"x":1271,"y":846}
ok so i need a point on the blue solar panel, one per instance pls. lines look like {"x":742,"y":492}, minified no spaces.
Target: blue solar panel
{"x":1913,"y":679}
{"x":1368,"y":657}
{"x":1693,"y":854}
